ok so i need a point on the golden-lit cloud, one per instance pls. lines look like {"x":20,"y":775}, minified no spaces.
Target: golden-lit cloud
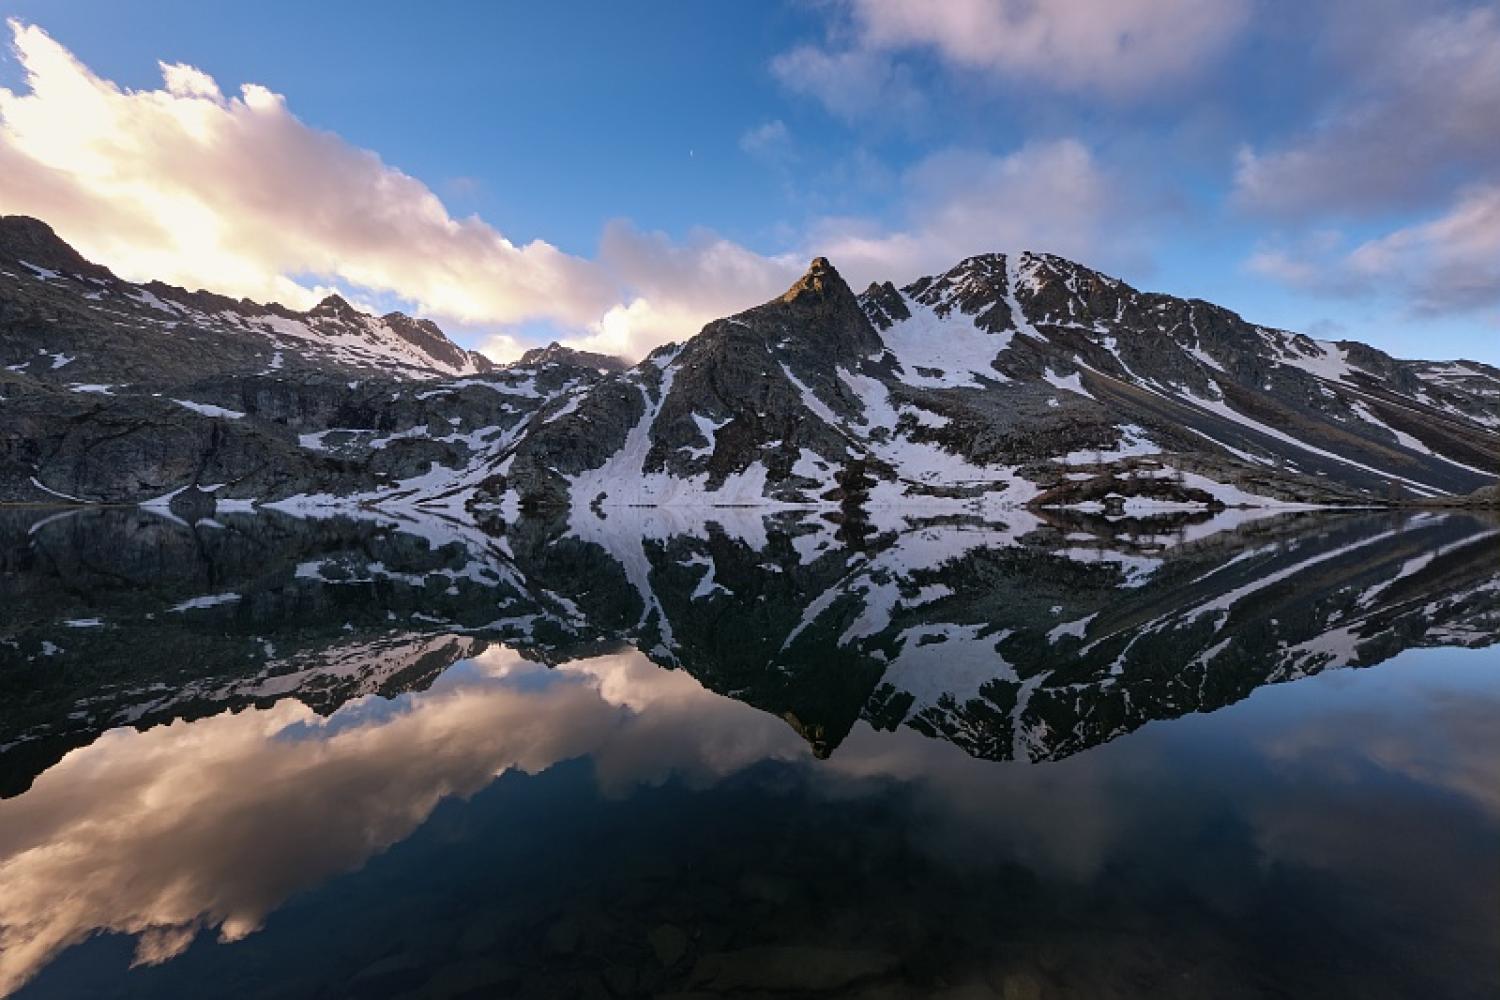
{"x":236,"y":194}
{"x":233,"y":193}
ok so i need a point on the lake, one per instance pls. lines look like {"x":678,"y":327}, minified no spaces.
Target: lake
{"x":719,"y":754}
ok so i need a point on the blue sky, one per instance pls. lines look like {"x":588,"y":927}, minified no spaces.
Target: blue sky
{"x":616,"y":174}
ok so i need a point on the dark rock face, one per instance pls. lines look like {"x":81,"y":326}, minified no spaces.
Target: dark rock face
{"x":978,"y":287}
{"x":55,"y":305}
{"x":119,"y":392}
{"x":821,"y":303}
{"x":557,"y":353}
{"x":261,"y":437}
{"x":32,"y":240}
{"x":1009,"y":378}
{"x":750,"y":375}
{"x":192,"y":504}
{"x":1006,"y":380}
{"x":884,"y":305}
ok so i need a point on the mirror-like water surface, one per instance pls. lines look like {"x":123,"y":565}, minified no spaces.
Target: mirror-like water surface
{"x":263,"y":756}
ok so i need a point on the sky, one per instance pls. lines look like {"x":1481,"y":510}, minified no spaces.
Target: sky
{"x":614,"y":175}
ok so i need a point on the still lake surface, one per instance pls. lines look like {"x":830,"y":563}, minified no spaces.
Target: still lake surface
{"x":732,"y":756}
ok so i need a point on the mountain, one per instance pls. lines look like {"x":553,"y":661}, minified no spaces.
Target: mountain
{"x":557,"y":353}
{"x":68,"y":321}
{"x":112,"y":391}
{"x":1006,"y":381}
{"x":1012,"y":380}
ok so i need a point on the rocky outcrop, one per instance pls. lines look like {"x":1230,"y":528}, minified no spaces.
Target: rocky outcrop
{"x":261,"y":438}
{"x":1008,"y":380}
{"x":54,"y":305}
{"x":1012,"y":380}
{"x":116,"y":392}
{"x":555,"y":353}
{"x":32,"y":241}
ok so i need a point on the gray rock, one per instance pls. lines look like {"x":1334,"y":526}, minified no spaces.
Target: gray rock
{"x":120,"y":392}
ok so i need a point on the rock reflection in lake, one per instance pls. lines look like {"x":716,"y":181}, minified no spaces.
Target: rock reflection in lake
{"x":260,"y":755}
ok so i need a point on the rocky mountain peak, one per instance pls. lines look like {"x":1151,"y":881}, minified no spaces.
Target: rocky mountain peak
{"x":884,"y":305}
{"x":821,"y":280}
{"x":821,"y":305}
{"x":555,"y":353}
{"x":977,"y":286}
{"x":1004,"y":380}
{"x":23,"y":238}
{"x":402,"y":323}
{"x":334,"y":305}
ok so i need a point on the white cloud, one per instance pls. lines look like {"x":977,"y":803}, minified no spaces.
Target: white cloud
{"x":706,"y":272}
{"x":1119,"y":48}
{"x":1307,"y":263}
{"x":679,"y":286}
{"x":852,"y":84}
{"x":770,"y":140}
{"x":632,"y":329}
{"x":502,"y":348}
{"x":1413,"y":132}
{"x":237,"y":194}
{"x":1448,"y":263}
{"x":1051,"y":196}
{"x":1422,"y":109}
{"x":1285,"y":267}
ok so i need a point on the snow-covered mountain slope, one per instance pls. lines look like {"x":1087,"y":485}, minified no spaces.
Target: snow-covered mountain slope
{"x":1009,"y":380}
{"x":295,"y":437}
{"x":111,"y":391}
{"x":70,"y":322}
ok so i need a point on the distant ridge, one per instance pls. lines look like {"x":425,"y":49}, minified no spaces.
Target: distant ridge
{"x":332,"y":334}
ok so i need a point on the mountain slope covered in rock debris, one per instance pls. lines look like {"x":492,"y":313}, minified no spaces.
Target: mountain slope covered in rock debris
{"x":1012,"y":380}
{"x":1009,"y":380}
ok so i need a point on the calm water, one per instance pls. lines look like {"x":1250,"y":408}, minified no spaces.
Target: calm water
{"x":646,"y":755}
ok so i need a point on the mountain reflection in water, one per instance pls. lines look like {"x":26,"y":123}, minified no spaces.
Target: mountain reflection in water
{"x":740,"y":757}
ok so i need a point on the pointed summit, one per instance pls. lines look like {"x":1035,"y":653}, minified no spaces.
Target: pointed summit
{"x":405,"y":325}
{"x":821,"y":280}
{"x":819,"y":308}
{"x":336,"y":305}
{"x":822,"y":303}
